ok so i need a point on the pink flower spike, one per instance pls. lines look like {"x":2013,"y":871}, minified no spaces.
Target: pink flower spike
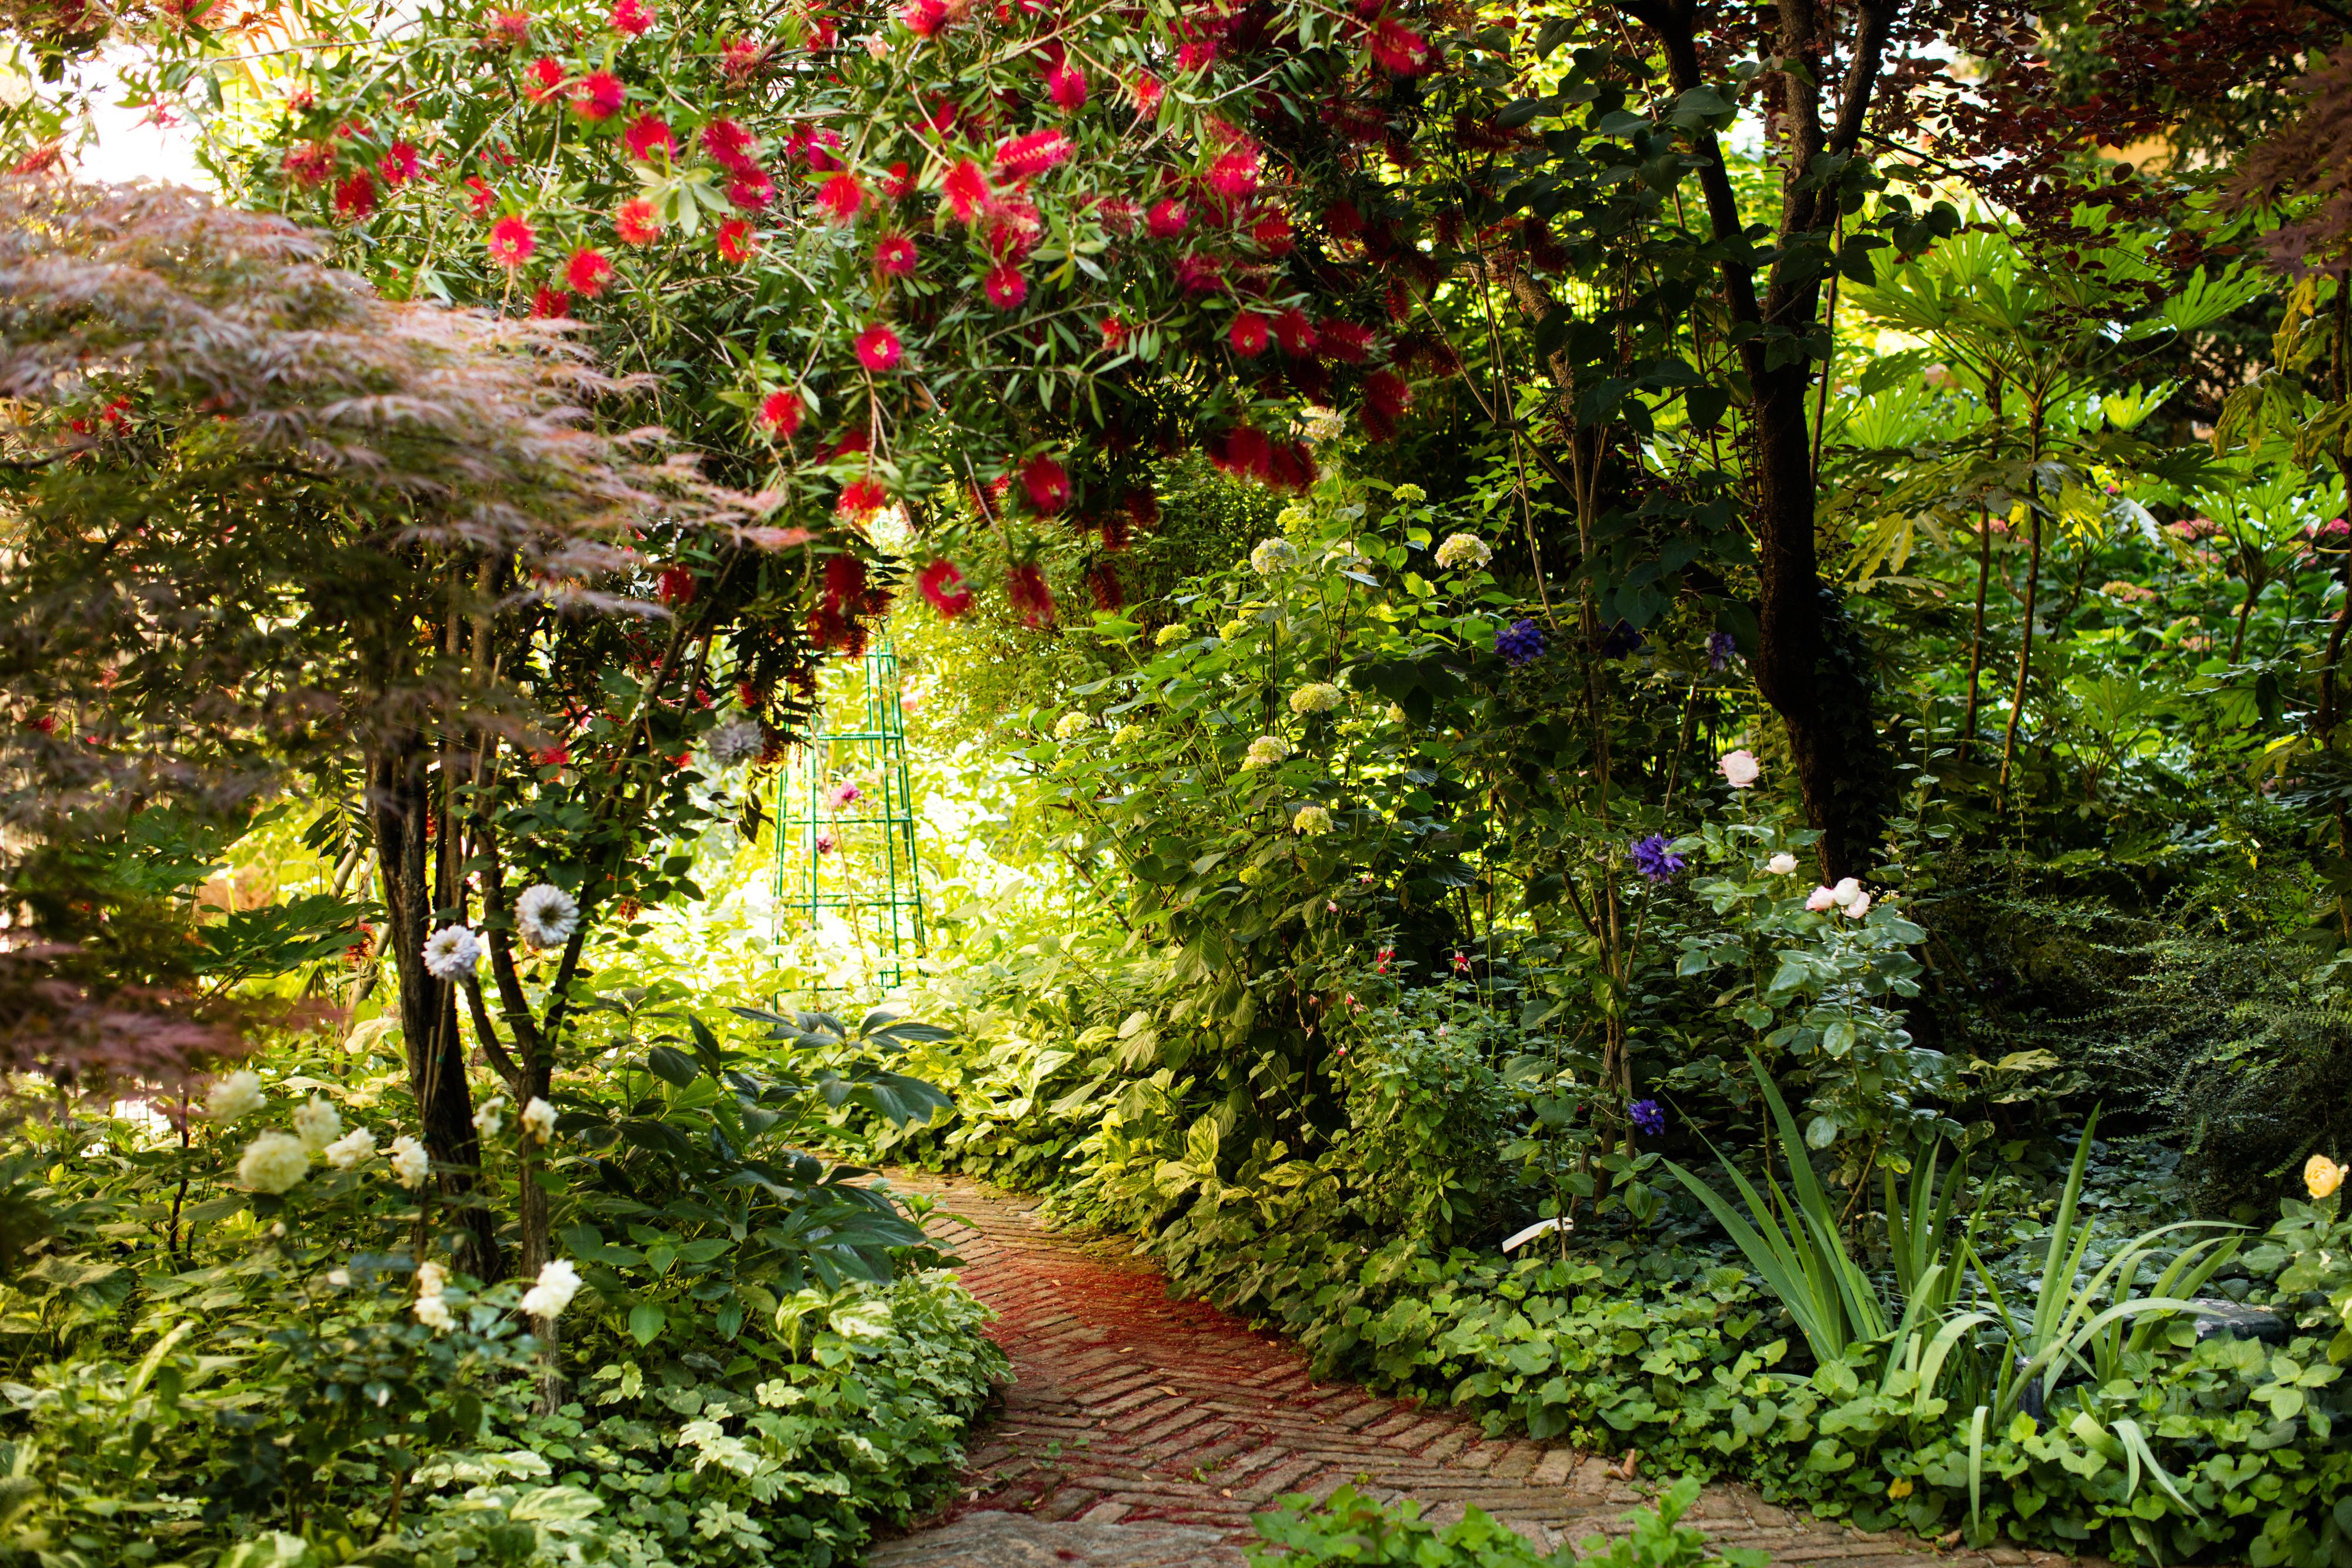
{"x":966,"y":191}
{"x":631,"y":17}
{"x":588,"y":272}
{"x":1005,"y":287}
{"x":1047,"y":482}
{"x":841,"y":196}
{"x":877,"y":348}
{"x":779,"y":414}
{"x":511,"y":242}
{"x":1248,"y":334}
{"x":647,"y":133}
{"x":1066,"y":86}
{"x":895,"y":257}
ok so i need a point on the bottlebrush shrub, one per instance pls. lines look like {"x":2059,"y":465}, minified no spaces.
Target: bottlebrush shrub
{"x":765,"y":190}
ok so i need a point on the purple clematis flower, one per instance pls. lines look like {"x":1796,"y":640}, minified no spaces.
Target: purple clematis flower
{"x":1654,"y":860}
{"x":1649,"y":1117}
{"x":1522,"y":642}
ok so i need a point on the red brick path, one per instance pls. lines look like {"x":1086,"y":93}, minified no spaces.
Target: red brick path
{"x":1131,"y":1408}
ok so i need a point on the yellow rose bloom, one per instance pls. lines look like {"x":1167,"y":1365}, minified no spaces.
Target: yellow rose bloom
{"x":2322,"y":1176}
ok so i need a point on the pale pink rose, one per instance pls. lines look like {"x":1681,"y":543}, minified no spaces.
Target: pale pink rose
{"x":1822,"y":899}
{"x":1740,"y":769}
{"x":1860,"y":906}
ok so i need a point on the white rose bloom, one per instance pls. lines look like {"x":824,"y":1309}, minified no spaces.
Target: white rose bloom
{"x":1781,"y":864}
{"x":558,"y":1283}
{"x":1463,"y":550}
{"x":1321,"y":698}
{"x":1820,"y":899}
{"x":410,"y":1164}
{"x":1312,"y":819}
{"x":1072,"y":724}
{"x":452,"y":953}
{"x":734,"y":742}
{"x":273,"y":1163}
{"x":434,"y":1313}
{"x":546,"y":915}
{"x":538,"y":1121}
{"x":1740,"y":769}
{"x":490,"y":1118}
{"x":1272,"y":556}
{"x":238,"y":1094}
{"x":1265,"y":751}
{"x":317,"y":1123}
{"x":1845,"y":891}
{"x":352,"y":1150}
{"x":1860,"y":906}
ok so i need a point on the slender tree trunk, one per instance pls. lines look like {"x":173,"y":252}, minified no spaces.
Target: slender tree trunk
{"x":1976,"y":632}
{"x":2033,"y":589}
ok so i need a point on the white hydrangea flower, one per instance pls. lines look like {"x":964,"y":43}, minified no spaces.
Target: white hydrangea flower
{"x":1460,"y":551}
{"x":538,"y":1121}
{"x":410,"y":1164}
{"x":1072,"y":724}
{"x":1175,"y":632}
{"x":238,"y":1094}
{"x":490,"y":1118}
{"x":1409,"y":494}
{"x":1321,"y":697}
{"x":1126,"y":735}
{"x":1740,"y":769}
{"x":273,"y":1163}
{"x":452,"y":953}
{"x":1781,"y":864}
{"x":546,"y":915}
{"x":317,"y":1123}
{"x":735,"y":742}
{"x":352,"y":1150}
{"x":1272,"y":556}
{"x":1265,"y":751}
{"x":1311,"y":820}
{"x":558,"y":1283}
{"x":434,"y":1313}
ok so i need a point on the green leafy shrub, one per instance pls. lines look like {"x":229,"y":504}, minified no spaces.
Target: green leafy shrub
{"x":1348,"y":1527}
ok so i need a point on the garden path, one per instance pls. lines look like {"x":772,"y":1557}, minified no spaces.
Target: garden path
{"x":1142,"y":1432}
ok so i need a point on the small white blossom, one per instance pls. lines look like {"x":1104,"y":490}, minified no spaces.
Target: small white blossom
{"x":452,"y":953}
{"x":1859,"y":906}
{"x":238,"y":1094}
{"x":352,"y":1150}
{"x":1311,"y":820}
{"x":1845,"y":891}
{"x":410,"y":1164}
{"x":538,"y":1121}
{"x":1265,"y":751}
{"x":434,"y":1313}
{"x":1781,"y":864}
{"x":546,"y":915}
{"x":558,"y":1283}
{"x":1463,"y":550}
{"x":736,"y":741}
{"x":1322,"y":697}
{"x":1820,"y":898}
{"x":273,"y":1163}
{"x":317,"y":1123}
{"x":1072,"y":724}
{"x":431,"y":1278}
{"x":1272,"y":556}
{"x":338,"y":1278}
{"x":490,"y":1118}
{"x":1396,"y":713}
{"x":1740,"y":769}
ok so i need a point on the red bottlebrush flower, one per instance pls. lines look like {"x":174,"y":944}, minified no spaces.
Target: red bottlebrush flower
{"x":779,"y":414}
{"x":939,"y":119}
{"x":355,"y":197}
{"x":1343,"y":220}
{"x":1118,"y":214}
{"x":511,"y":242}
{"x":741,"y":59}
{"x":1345,"y":341}
{"x":647,"y":133}
{"x":1116,"y":532}
{"x":966,"y":191}
{"x":752,"y":189}
{"x":735,"y":241}
{"x":598,"y":95}
{"x":1246,"y":453}
{"x":729,"y":145}
{"x":925,"y":17}
{"x":588,"y":271}
{"x":636,"y":222}
{"x":1399,"y":299}
{"x":860,"y":499}
{"x":1102,"y":582}
{"x":1398,"y":49}
{"x":1024,"y":157}
{"x":549,"y":303}
{"x":942,"y":583}
{"x":899,"y":182}
{"x":545,"y":78}
{"x":1148,"y":90}
{"x":1200,"y":274}
{"x":631,"y":17}
{"x":1047,"y":482}
{"x":1114,"y":334}
{"x":1166,"y":220}
{"x":1066,"y":84}
{"x":895,"y":257}
{"x":1248,"y":335}
{"x":1273,"y":234}
{"x":877,"y":348}
{"x":1143,"y":510}
{"x":676,"y":585}
{"x":311,"y":163}
{"x":823,"y":31}
{"x":553,"y":757}
{"x":398,"y":164}
{"x":841,"y":196}
{"x":1386,"y":397}
{"x":1291,"y":467}
{"x":1015,"y":227}
{"x":820,"y":160}
{"x":1233,"y":175}
{"x":845,"y":580}
{"x":509,"y":28}
{"x":1024,"y":585}
{"x":1198,"y":56}
{"x":1005,"y":288}
{"x":856,"y":440}
{"x":1295,"y":333}
{"x":479,"y":196}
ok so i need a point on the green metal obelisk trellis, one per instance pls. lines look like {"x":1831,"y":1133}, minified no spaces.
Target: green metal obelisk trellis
{"x":846,"y":821}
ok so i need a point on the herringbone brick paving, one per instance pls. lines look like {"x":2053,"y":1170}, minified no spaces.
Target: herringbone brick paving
{"x":1129,"y":1407}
